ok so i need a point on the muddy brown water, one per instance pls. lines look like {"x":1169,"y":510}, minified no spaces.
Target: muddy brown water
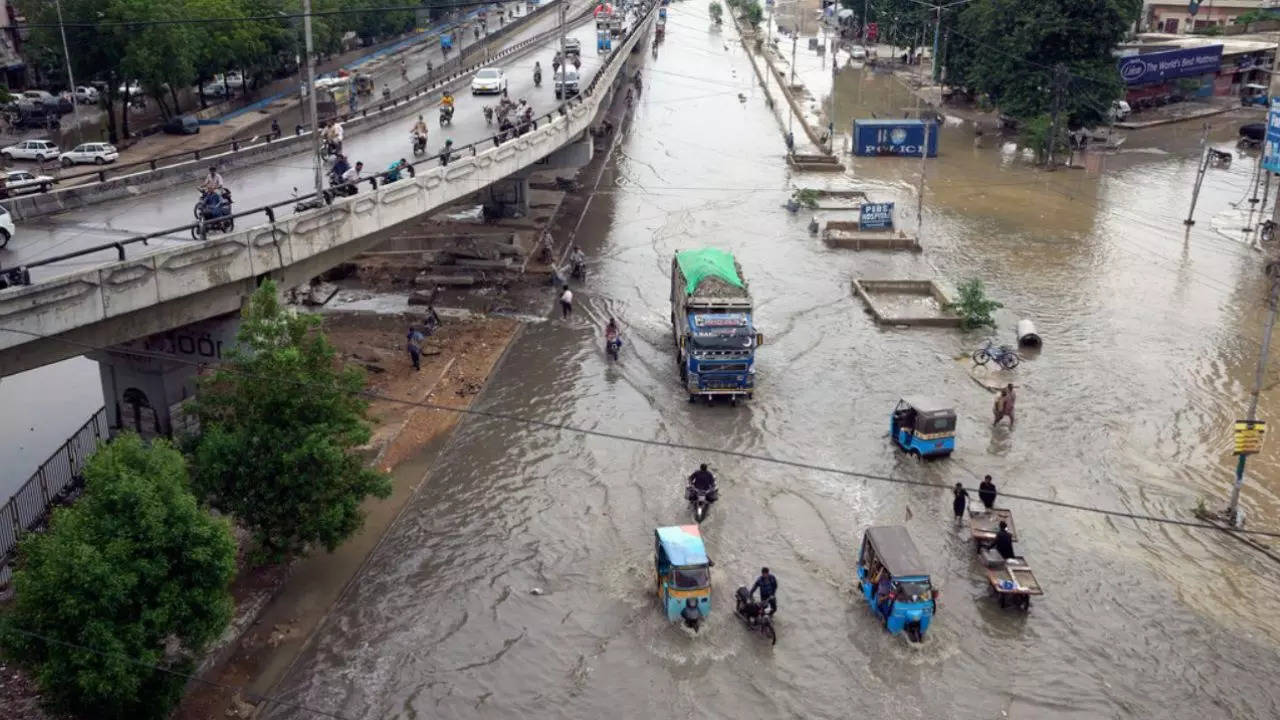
{"x":1150,"y":334}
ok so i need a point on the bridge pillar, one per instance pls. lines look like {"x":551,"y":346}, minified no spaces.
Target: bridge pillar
{"x":509,"y":197}
{"x":145,"y":381}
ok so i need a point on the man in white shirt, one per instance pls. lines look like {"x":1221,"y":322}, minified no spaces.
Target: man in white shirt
{"x":566,"y":303}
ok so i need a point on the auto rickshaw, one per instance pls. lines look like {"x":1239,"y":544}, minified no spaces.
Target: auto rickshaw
{"x":923,"y":426}
{"x":446,"y":43}
{"x":683,"y":574}
{"x":895,"y":582}
{"x":364,"y":84}
{"x":662,"y":13}
{"x":604,"y":41}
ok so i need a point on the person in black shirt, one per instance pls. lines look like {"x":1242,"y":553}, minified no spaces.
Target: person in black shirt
{"x":1004,"y":541}
{"x":987,"y":492}
{"x":701,"y":481}
{"x":961,"y":499}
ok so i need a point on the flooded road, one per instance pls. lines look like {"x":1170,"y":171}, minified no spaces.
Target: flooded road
{"x":1150,"y":335}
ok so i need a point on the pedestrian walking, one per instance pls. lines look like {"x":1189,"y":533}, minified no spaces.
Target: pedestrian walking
{"x":414,"y":345}
{"x":987,"y":492}
{"x":958,"y":503}
{"x":566,"y":303}
{"x":1003,"y":406}
{"x":1009,"y":397}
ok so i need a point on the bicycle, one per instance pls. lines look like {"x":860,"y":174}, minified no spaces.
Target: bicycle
{"x":1004,"y":355}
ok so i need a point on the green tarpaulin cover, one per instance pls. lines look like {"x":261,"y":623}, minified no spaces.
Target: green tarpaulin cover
{"x":708,"y":262}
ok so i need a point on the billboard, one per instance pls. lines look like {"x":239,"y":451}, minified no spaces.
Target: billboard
{"x":876,"y":216}
{"x":905,"y":137}
{"x":1157,"y":67}
{"x":1271,"y":144}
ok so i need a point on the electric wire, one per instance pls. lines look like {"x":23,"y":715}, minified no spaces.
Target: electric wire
{"x":670,"y":445}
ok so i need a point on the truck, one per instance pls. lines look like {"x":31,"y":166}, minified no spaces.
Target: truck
{"x":712,"y":326}
{"x":907,"y":137}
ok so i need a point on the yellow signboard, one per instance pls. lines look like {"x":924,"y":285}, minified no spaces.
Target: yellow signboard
{"x":1248,"y":436}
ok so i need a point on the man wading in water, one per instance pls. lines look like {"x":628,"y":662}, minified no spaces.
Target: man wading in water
{"x":1004,"y":405}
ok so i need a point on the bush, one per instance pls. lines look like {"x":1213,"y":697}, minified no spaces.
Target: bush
{"x":135,"y":571}
{"x":280,"y":421}
{"x":974,"y":307}
{"x":808,"y":197}
{"x":1034,"y":133}
{"x":717,"y":12}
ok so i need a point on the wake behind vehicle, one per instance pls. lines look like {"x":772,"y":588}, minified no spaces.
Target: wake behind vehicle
{"x":923,"y":426}
{"x":711,"y":323}
{"x":894,"y":581}
{"x":683,"y":574}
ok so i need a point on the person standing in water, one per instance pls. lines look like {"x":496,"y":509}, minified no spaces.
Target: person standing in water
{"x":961,"y":499}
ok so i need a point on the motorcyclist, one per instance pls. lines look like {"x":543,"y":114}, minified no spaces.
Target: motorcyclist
{"x":701,"y":481}
{"x":446,"y":152}
{"x":612,"y":336}
{"x":446,"y":100}
{"x":419,"y":128}
{"x":767,"y":584}
{"x":537,"y":73}
{"x":577,"y":260}
{"x":212,"y":182}
{"x":340,"y":166}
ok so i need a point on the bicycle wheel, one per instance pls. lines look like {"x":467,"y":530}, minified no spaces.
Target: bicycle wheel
{"x":980,"y":357}
{"x":1009,"y":361}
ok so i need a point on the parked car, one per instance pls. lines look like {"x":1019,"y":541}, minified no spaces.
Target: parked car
{"x":133,"y":87}
{"x":35,"y":118}
{"x":30,"y":99}
{"x":182,"y":125}
{"x":7,"y":229}
{"x":857,"y":52}
{"x":214,"y":88}
{"x":489,"y":80}
{"x":98,"y":153}
{"x":16,"y":182}
{"x":566,"y":82}
{"x":235,"y":79}
{"x":1119,"y":111}
{"x":86,"y":95}
{"x":31,"y":150}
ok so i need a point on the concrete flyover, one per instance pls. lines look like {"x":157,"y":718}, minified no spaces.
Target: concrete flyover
{"x":70,"y":314}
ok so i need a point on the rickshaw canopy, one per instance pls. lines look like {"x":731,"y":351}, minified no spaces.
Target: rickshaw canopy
{"x":682,"y":545}
{"x":893,"y":546}
{"x":928,"y":405}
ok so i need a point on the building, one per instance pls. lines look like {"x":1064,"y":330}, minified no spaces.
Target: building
{"x":1186,"y":16}
{"x":1159,"y":65}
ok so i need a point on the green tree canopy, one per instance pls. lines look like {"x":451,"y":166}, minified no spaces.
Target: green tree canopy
{"x":132,"y":567}
{"x":1009,"y":50}
{"x":279,"y":423}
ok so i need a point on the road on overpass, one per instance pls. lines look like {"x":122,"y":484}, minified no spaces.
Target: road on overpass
{"x":274,"y":180}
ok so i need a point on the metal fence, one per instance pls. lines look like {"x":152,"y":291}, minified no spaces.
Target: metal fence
{"x":56,"y":479}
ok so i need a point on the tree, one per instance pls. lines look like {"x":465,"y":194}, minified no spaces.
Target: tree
{"x":134,"y":575}
{"x":717,"y":12}
{"x":753,"y":14}
{"x":974,"y":307}
{"x":1008,"y":49}
{"x":279,"y":423}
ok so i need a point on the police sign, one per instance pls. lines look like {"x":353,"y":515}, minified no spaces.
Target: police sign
{"x":1271,"y":144}
{"x":876,"y":216}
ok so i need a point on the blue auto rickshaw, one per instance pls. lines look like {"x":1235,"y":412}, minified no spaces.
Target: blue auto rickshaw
{"x":683,"y":574}
{"x":895,"y":582}
{"x":446,"y":42}
{"x":604,"y":41}
{"x":923,"y":426}
{"x":662,"y":13}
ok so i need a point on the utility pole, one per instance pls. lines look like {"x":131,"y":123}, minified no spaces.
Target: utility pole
{"x":1059,"y":71}
{"x":1204,"y":167}
{"x":924,"y":157}
{"x":937,"y":28}
{"x":311,"y":95}
{"x":71,"y":78}
{"x":1233,"y":514}
{"x":564,"y":59}
{"x":794,"y":35}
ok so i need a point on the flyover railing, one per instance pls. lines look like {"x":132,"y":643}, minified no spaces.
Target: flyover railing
{"x":447,"y":73}
{"x":20,"y":275}
{"x":55,"y":481}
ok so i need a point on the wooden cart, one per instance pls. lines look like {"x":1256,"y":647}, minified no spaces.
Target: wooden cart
{"x":984,"y":523}
{"x":1014,"y":583}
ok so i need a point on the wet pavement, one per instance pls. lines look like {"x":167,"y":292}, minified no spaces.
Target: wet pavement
{"x":274,"y":181}
{"x":1150,"y":333}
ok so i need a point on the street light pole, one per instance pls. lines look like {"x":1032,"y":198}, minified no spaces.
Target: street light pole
{"x":1273,"y":270}
{"x":937,"y":26}
{"x":311,"y":93}
{"x":71,"y":79}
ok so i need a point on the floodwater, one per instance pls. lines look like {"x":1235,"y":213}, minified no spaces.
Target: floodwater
{"x":1150,"y":332}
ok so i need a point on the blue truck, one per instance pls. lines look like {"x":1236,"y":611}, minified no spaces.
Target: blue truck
{"x":712,"y":325}
{"x":895,"y":137}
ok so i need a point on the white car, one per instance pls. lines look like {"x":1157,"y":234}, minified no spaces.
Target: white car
{"x":133,"y":87}
{"x":215,"y":88}
{"x":98,"y":153}
{"x":489,"y":80}
{"x":21,"y":181}
{"x":31,"y":150}
{"x":857,"y":52}
{"x":86,"y":95}
{"x":7,"y":230}
{"x":235,"y":79}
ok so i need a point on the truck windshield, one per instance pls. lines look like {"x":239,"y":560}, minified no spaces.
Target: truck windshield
{"x":727,"y":339}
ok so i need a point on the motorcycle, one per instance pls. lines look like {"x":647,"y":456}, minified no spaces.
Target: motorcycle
{"x":701,"y":505}
{"x":754,"y":615}
{"x":313,"y":203}
{"x":579,"y":271}
{"x":537,"y":78}
{"x":419,"y":144}
{"x":339,"y":188}
{"x":611,"y":346}
{"x":488,"y":115}
{"x":446,"y":116}
{"x":206,"y":223}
